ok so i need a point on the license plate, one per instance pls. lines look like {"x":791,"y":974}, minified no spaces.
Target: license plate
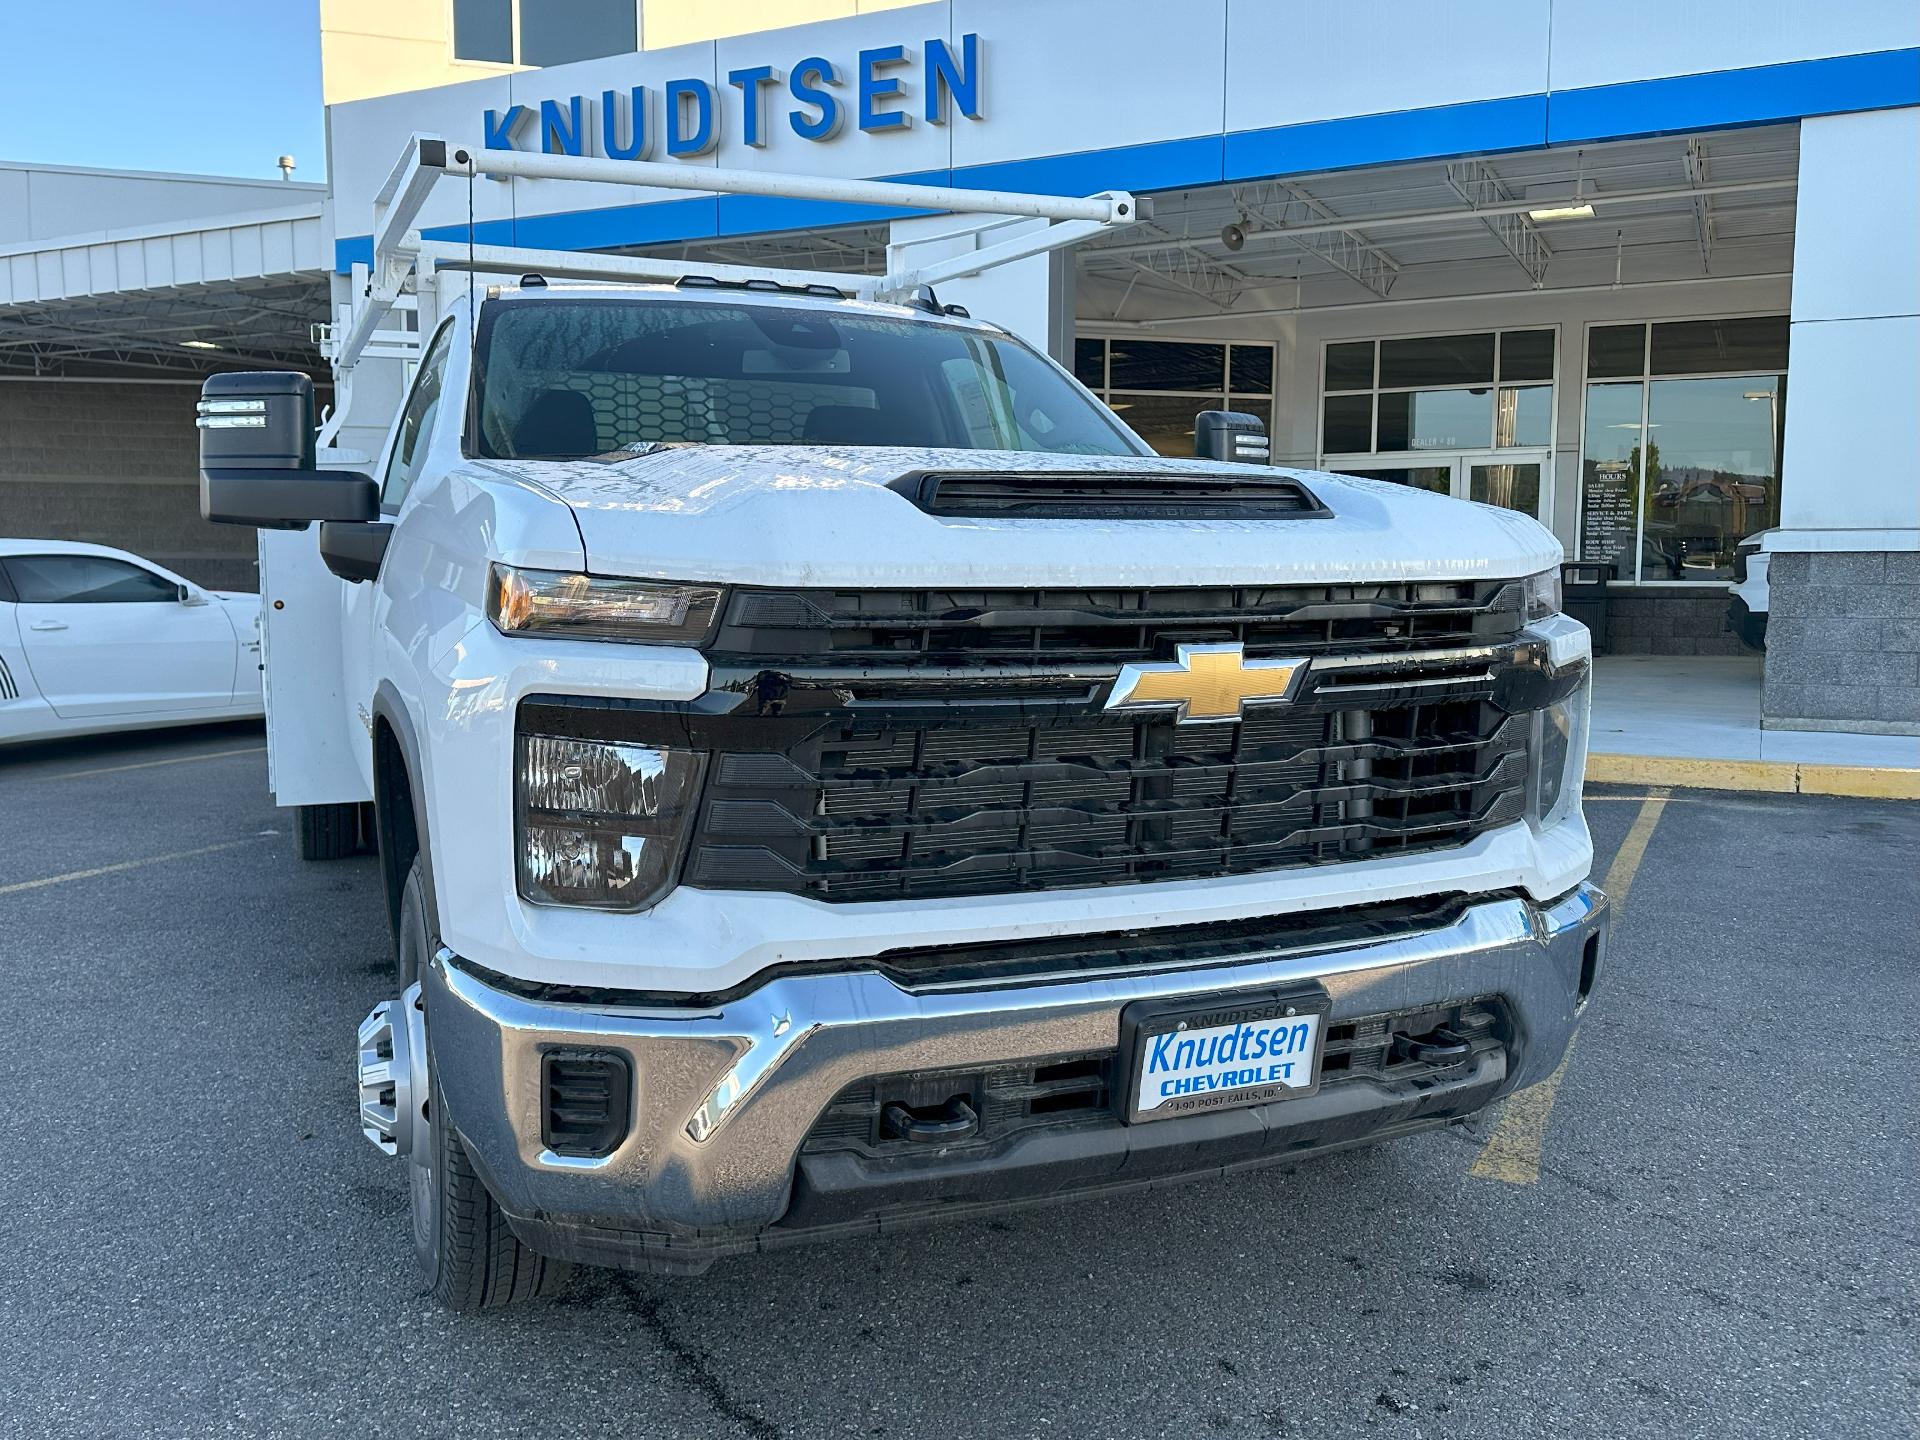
{"x":1191,"y":1056}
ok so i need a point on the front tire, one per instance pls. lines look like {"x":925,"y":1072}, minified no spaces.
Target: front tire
{"x":469,"y":1257}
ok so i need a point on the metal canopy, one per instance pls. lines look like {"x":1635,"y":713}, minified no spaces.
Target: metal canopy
{"x":1713,"y":205}
{"x":1716,"y":205}
{"x":185,"y":298}
{"x":247,"y":325}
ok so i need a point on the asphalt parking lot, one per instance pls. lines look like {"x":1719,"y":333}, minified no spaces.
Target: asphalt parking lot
{"x":1710,"y":1230}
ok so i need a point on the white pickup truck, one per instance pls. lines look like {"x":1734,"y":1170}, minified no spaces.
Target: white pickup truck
{"x":830,"y":774}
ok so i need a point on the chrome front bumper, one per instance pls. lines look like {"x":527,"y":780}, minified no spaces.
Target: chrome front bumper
{"x":725,"y":1095}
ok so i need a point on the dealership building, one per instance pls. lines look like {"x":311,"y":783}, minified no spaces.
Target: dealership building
{"x":1648,"y":272}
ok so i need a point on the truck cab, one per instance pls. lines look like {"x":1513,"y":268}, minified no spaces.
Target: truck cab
{"x":829,"y":774}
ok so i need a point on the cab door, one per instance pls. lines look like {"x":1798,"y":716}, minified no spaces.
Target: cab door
{"x":104,"y":636}
{"x":404,"y":461}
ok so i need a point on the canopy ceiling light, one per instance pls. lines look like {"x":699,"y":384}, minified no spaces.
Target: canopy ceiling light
{"x":1557,"y":202}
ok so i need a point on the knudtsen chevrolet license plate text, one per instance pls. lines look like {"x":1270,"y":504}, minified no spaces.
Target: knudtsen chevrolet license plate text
{"x":1214,"y":1054}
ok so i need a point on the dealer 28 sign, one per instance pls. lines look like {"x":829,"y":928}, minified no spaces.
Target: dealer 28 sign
{"x":885,"y":90}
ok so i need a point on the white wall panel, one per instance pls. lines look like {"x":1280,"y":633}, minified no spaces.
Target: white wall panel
{"x":1597,"y":43}
{"x":1071,"y":75}
{"x":1853,"y":425}
{"x":14,"y":218}
{"x":1857,"y":225}
{"x":1292,"y":62}
{"x":43,"y":202}
{"x":1853,"y":430}
{"x":364,"y":140}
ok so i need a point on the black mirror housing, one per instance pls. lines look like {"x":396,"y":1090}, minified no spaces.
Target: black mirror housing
{"x":354,"y":552}
{"x":1231,"y":435}
{"x":256,"y":420}
{"x":257,"y":458}
{"x":287,"y":499}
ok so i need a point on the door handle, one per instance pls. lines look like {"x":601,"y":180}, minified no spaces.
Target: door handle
{"x":48,"y":625}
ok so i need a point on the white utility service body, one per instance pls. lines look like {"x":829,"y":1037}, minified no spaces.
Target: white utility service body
{"x":1308,"y":777}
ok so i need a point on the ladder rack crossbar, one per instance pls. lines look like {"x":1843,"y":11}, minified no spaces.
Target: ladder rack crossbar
{"x":401,"y":257}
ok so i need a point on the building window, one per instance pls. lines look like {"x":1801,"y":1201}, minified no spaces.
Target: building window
{"x":1158,"y":386}
{"x":1454,"y":414}
{"x":1438,"y":392}
{"x":483,"y":30}
{"x":1680,"y":447}
{"x":548,"y":32}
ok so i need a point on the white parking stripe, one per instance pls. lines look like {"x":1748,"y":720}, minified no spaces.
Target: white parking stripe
{"x":41,"y":883}
{"x":149,"y":764}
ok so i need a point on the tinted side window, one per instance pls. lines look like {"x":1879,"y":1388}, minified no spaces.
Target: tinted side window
{"x":416,"y":422}
{"x":85,"y":580}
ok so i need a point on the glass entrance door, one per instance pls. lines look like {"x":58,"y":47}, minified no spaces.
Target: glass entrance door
{"x":1511,"y":479}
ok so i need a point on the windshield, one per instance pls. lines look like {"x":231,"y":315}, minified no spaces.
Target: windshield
{"x":565,"y":378}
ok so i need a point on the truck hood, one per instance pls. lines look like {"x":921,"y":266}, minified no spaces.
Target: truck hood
{"x":810,"y":515}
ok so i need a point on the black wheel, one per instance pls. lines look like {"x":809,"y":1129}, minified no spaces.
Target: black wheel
{"x":468,"y":1256}
{"x":326,"y":832}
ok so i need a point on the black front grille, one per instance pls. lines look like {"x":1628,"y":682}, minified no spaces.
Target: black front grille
{"x":1406,"y":1051}
{"x":880,"y":745}
{"x":877,"y":810}
{"x":1069,"y":627}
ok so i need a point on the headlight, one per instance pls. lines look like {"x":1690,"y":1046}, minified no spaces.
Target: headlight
{"x":587,"y":607}
{"x":1543,"y":594}
{"x":599,"y":823}
{"x":1559,"y":752}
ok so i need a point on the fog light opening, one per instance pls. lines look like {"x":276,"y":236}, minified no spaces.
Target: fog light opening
{"x":1589,"y":967}
{"x":587,"y":1101}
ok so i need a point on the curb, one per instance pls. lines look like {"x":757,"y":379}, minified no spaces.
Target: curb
{"x":1778,"y":777}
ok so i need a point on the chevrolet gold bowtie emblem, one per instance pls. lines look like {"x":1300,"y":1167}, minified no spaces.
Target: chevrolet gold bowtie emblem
{"x":1207,"y":683}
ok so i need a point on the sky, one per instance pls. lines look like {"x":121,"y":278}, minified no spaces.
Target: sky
{"x":209,"y":87}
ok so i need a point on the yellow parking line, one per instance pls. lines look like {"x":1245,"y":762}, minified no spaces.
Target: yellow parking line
{"x":20,"y":885}
{"x":1512,"y":1152}
{"x":1780,"y":777}
{"x":149,"y":764}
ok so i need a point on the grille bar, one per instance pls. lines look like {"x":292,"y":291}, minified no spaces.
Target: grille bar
{"x":877,"y":807}
{"x":1061,"y":627}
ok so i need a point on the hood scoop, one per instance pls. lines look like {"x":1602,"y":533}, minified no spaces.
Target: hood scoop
{"x":1110,"y":495}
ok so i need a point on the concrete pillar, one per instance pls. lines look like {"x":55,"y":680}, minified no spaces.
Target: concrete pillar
{"x":1031,"y":297}
{"x":1843,"y":637}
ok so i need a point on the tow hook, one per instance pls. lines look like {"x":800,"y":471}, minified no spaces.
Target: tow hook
{"x":393,"y":1074}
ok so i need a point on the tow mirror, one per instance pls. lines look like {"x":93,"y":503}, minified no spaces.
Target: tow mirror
{"x":1231,"y":435}
{"x":256,"y":456}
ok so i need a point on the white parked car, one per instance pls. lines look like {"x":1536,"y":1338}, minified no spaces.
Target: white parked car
{"x":94,"y":639}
